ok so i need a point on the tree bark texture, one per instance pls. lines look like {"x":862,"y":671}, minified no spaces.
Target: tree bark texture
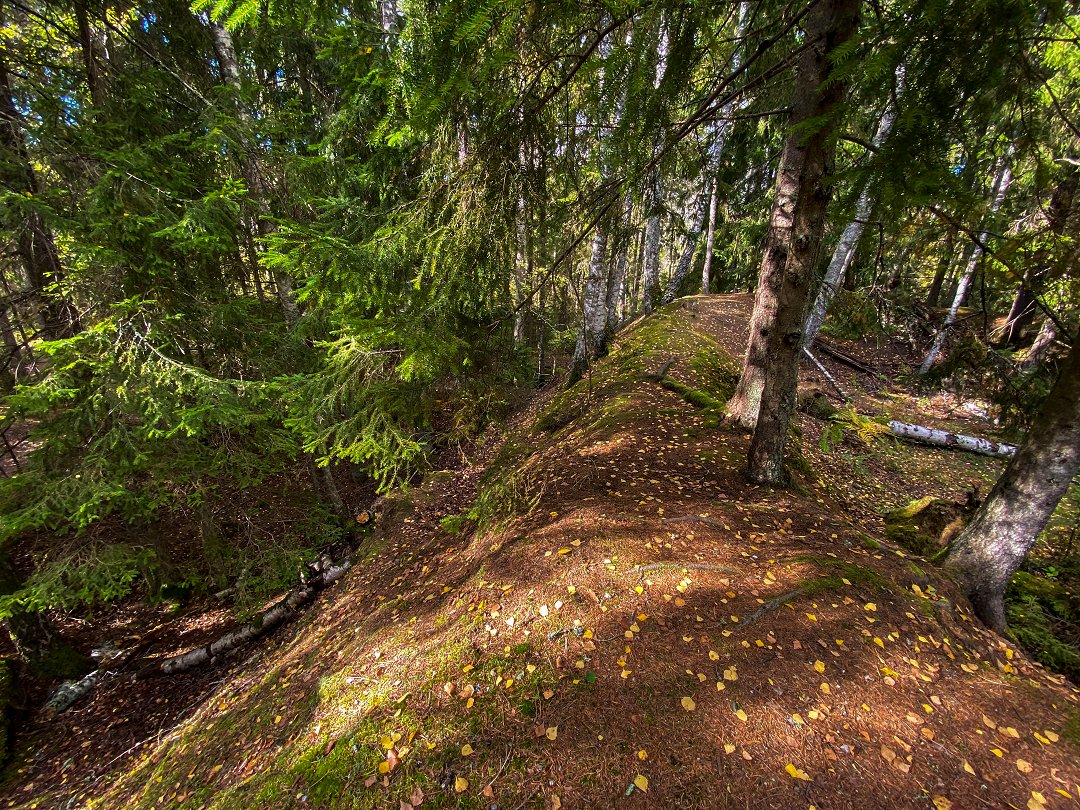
{"x":765,"y":395}
{"x":945,"y":438}
{"x":710,"y":241}
{"x":987,"y":553}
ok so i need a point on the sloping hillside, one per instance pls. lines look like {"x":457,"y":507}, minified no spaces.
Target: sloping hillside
{"x":630,"y":624}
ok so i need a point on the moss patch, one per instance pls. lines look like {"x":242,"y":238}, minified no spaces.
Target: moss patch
{"x":926,"y":525}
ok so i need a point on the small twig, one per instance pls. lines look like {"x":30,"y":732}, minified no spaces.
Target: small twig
{"x":771,"y":605}
{"x":644,"y":569}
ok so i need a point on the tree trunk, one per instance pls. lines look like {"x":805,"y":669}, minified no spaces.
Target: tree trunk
{"x":34,"y":245}
{"x":944,"y":438}
{"x":1001,"y":185}
{"x":987,"y":553}
{"x":617,"y":282}
{"x":653,"y":200}
{"x":766,"y":393}
{"x":849,"y":239}
{"x":589,"y":343}
{"x":710,"y":238}
{"x":1024,"y":306}
{"x":250,"y":164}
{"x":712,"y":167}
{"x":35,"y":638}
{"x":88,"y":46}
{"x":934,"y":293}
{"x":1041,"y":347}
{"x":650,"y":269}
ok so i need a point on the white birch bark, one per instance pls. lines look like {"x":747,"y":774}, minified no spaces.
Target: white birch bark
{"x":650,"y":267}
{"x":849,"y":239}
{"x":1001,"y":186}
{"x":710,"y":236}
{"x":721,"y":130}
{"x":944,"y":438}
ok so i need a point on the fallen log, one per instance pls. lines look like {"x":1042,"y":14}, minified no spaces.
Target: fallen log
{"x":326,"y":573}
{"x":956,"y":441}
{"x":846,"y":359}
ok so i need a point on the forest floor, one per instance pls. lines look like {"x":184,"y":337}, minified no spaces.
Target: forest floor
{"x":634,"y":626}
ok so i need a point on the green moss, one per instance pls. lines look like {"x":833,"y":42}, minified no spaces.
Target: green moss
{"x":695,"y":397}
{"x":1041,"y":612}
{"x":1070,"y":730}
{"x":925,"y":526}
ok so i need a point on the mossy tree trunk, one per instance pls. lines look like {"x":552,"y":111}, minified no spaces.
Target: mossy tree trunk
{"x":992,"y":547}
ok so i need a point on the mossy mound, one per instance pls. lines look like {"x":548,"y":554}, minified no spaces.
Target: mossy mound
{"x":815,"y":402}
{"x":926,"y":526}
{"x":645,"y":350}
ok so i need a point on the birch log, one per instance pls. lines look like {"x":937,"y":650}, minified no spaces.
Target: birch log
{"x":943,"y":438}
{"x":277,"y":614}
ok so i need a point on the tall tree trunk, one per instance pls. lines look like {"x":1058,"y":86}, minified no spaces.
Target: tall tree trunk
{"x":34,"y":245}
{"x":653,"y":200}
{"x":88,"y":46}
{"x":650,"y":268}
{"x":617,"y":282}
{"x":849,"y":239}
{"x":1044,"y":340}
{"x":712,"y":167}
{"x":710,"y":238}
{"x":942,"y":270}
{"x":1001,"y":186}
{"x":1024,"y":305}
{"x":250,"y":163}
{"x":987,"y":553}
{"x":589,"y":343}
{"x":765,"y":396}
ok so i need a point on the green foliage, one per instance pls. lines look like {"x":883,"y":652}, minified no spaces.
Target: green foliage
{"x":852,"y":315}
{"x":1045,"y":617}
{"x":847,"y":421}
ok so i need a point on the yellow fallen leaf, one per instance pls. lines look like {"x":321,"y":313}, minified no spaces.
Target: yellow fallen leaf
{"x":641,"y":783}
{"x":386,"y":741}
{"x":461,"y":784}
{"x":1023,"y":766}
{"x":688,"y":704}
{"x":643,"y":755}
{"x":1051,"y":736}
{"x":941,"y":803}
{"x":713,"y":655}
{"x":730,"y":674}
{"x":729,"y":748}
{"x":811,"y":617}
{"x":819,"y":666}
{"x":796,"y":773}
{"x":466,"y":750}
{"x":740,"y":714}
{"x":826,"y":689}
{"x":552,"y":732}
{"x":968,"y":768}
